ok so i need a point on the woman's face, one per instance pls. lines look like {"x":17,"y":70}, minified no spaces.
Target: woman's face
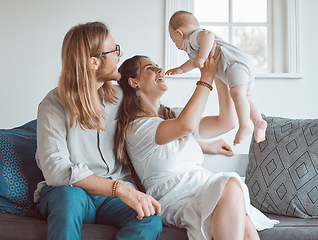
{"x":151,"y":79}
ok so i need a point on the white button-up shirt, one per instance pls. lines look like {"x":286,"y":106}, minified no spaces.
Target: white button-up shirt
{"x":67,"y":155}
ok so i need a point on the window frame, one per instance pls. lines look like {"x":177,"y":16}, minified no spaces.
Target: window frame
{"x":276,"y":34}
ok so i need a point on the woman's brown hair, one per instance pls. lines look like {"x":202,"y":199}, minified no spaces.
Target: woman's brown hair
{"x":76,"y":89}
{"x":130,"y":107}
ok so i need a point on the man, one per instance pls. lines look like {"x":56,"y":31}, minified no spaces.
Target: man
{"x":76,"y":124}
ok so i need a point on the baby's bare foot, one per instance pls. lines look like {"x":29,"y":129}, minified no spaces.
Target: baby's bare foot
{"x":260,"y":130}
{"x":242,"y":133}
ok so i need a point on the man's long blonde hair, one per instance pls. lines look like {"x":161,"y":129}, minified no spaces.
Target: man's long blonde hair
{"x":76,"y":90}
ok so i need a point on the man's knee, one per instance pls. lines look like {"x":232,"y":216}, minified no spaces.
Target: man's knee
{"x":70,"y":194}
{"x":63,"y":204}
{"x":144,"y":229}
{"x":154,"y":226}
{"x":65,"y":198}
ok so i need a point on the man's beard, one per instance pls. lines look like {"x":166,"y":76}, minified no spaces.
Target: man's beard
{"x":105,"y":73}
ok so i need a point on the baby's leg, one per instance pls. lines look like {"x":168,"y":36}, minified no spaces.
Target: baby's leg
{"x":239,"y":96}
{"x":259,"y":124}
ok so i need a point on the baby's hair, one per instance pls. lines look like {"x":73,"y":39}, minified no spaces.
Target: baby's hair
{"x":183,"y":18}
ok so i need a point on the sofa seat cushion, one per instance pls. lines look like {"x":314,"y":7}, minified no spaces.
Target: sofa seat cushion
{"x":17,"y":227}
{"x":290,"y":228}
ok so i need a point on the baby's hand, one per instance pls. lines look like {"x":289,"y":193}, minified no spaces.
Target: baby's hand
{"x":198,"y":62}
{"x":174,"y":71}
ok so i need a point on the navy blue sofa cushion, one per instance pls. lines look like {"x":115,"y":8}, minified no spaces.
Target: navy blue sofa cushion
{"x":19,"y":173}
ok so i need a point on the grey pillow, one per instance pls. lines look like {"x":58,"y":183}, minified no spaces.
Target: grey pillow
{"x":282,"y":173}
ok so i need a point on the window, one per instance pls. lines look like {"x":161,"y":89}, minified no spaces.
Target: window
{"x":265,"y":29}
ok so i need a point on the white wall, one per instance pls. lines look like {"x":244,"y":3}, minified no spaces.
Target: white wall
{"x":31,"y":35}
{"x":32,"y":32}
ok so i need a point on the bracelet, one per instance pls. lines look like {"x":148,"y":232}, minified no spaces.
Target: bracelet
{"x":209,"y":86}
{"x":114,"y":189}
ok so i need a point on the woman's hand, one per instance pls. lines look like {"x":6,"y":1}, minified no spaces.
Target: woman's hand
{"x":210,"y":65}
{"x":198,"y":62}
{"x":145,"y":205}
{"x":216,"y":147}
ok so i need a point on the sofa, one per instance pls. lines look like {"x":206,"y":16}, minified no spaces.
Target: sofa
{"x":19,"y":175}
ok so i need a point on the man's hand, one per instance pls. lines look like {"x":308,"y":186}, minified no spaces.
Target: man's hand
{"x":145,"y":205}
{"x":216,"y":147}
{"x":174,"y":71}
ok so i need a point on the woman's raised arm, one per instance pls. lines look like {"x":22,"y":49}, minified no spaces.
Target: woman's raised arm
{"x":188,"y":120}
{"x":212,"y":126}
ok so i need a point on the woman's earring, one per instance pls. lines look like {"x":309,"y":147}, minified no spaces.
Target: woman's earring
{"x":137,"y":91}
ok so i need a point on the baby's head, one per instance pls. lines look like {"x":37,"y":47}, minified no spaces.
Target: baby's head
{"x":181,"y":25}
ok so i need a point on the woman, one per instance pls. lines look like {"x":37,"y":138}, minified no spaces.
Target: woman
{"x":162,"y":147}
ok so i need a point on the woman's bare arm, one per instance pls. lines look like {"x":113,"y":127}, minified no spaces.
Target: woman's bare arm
{"x":191,"y":114}
{"x":212,"y":126}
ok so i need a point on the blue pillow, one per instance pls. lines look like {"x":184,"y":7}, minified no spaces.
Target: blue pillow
{"x":19,"y":173}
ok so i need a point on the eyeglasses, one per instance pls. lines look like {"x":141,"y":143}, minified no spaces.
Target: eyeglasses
{"x":117,"y":50}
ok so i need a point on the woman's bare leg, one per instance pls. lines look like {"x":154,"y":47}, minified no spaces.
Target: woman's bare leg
{"x":228,"y":219}
{"x":250,"y":230}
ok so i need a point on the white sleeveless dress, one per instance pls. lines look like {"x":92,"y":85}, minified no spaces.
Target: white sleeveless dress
{"x":173,"y":174}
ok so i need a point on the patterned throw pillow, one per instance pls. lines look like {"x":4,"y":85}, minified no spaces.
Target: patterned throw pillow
{"x":282,"y":173}
{"x":19,"y":173}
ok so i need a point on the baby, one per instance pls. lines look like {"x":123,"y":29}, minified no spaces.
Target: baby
{"x":235,"y":69}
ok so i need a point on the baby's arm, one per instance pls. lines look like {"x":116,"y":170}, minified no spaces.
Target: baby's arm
{"x":186,"y":67}
{"x":205,"y":39}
